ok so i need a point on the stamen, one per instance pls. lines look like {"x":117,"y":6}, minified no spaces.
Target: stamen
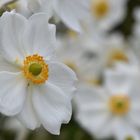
{"x":116,"y":55}
{"x":99,"y":8}
{"x":119,"y":105}
{"x":35,"y":69}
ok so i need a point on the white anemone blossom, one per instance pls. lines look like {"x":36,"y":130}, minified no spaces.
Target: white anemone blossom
{"x":71,"y":12}
{"x":36,"y":88}
{"x":106,"y":14}
{"x":114,"y":109}
{"x":101,"y":52}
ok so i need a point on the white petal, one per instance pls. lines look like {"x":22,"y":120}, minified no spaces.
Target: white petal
{"x":41,"y":6}
{"x":40,"y":36}
{"x":134,"y":116}
{"x":96,"y":123}
{"x":134,"y":112}
{"x":91,"y":100}
{"x":13,"y":93}
{"x":89,"y":95}
{"x":28,"y":116}
{"x":63,"y":77}
{"x":52,"y":106}
{"x":118,"y":82}
{"x":8,"y":66}
{"x":92,"y":111}
{"x":12,"y":26}
{"x":123,"y":129}
{"x":71,"y":12}
{"x":134,"y":95}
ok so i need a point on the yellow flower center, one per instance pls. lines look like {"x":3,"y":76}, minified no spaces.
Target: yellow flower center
{"x":72,"y":34}
{"x":99,"y":8}
{"x":119,"y":105}
{"x":35,"y":69}
{"x":95,"y":82}
{"x":117,"y":55}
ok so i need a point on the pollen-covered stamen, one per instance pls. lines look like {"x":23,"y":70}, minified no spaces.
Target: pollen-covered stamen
{"x":100,"y":8}
{"x":119,"y":105}
{"x":35,"y":69}
{"x":116,"y":55}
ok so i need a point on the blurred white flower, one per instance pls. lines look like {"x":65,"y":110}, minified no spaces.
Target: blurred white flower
{"x":83,"y":60}
{"x":71,"y":12}
{"x":114,"y":109}
{"x":106,"y":14}
{"x":90,"y":55}
{"x":35,"y":88}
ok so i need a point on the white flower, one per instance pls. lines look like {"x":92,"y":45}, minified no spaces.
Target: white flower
{"x":35,"y":88}
{"x":71,"y":12}
{"x":91,"y":55}
{"x":106,"y":14}
{"x":101,"y":52}
{"x":82,"y":59}
{"x":114,"y":109}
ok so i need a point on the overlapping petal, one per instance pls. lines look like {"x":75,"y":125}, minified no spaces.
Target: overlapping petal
{"x":52,"y":106}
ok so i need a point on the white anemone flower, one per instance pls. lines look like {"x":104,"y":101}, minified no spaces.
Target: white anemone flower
{"x":114,"y":109}
{"x":106,"y":14}
{"x":36,"y":88}
{"x":101,"y":52}
{"x":71,"y":12}
{"x":90,"y":55}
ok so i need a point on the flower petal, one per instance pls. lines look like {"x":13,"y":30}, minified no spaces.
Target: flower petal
{"x":63,"y":77}
{"x":96,"y":123}
{"x":92,"y":110}
{"x":12,"y":26}
{"x":71,"y":12}
{"x":40,"y":36}
{"x":53,"y":107}
{"x":28,"y":116}
{"x":7,"y":66}
{"x":13,"y":93}
{"x":41,"y":6}
{"x":123,"y":130}
{"x":118,"y":82}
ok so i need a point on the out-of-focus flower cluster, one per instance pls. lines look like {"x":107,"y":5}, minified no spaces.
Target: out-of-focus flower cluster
{"x":99,"y":40}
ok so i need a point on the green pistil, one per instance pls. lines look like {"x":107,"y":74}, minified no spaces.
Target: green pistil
{"x":35,"y":69}
{"x":120,"y":104}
